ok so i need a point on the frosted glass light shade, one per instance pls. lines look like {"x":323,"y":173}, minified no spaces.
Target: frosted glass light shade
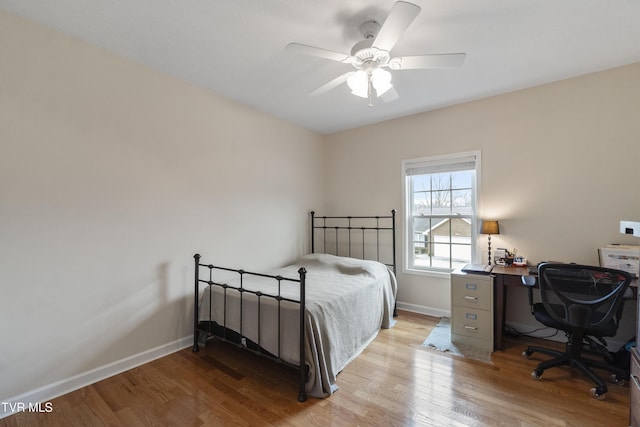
{"x":381,"y":80}
{"x":358,"y":82}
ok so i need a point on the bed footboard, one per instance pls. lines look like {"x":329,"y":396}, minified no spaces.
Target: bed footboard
{"x":220,"y":329}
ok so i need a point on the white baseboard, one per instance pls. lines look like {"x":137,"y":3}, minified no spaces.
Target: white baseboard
{"x":421,"y":309}
{"x":33,"y":400}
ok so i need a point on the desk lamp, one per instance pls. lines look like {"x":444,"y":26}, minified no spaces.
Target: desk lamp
{"x":489,"y":227}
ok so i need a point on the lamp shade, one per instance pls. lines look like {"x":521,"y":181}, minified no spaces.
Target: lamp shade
{"x":489,"y":227}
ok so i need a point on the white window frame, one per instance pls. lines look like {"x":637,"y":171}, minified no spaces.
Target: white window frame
{"x":434,"y":164}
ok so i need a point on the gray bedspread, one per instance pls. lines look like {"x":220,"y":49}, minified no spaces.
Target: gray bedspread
{"x":347,"y":302}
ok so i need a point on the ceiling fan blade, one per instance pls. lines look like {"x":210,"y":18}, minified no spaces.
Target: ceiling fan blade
{"x":330,"y":85}
{"x":401,"y":16}
{"x":442,"y":60}
{"x":390,"y":95}
{"x":303,"y":49}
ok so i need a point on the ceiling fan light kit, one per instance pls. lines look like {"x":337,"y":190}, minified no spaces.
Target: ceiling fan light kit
{"x":363,"y":83}
{"x":372,"y":55}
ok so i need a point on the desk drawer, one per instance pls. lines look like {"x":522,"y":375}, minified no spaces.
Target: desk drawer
{"x":471,"y":322}
{"x":634,"y":387}
{"x":471,"y":291}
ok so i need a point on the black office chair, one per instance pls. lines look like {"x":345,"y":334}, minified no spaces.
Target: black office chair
{"x":585,"y":302}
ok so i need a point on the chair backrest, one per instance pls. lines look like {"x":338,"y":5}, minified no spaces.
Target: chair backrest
{"x":582,"y":296}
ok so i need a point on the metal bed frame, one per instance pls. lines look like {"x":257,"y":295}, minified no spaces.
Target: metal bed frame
{"x":337,"y":223}
{"x":319,"y":225}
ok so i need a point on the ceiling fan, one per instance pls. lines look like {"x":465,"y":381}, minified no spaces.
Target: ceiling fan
{"x":370,"y":57}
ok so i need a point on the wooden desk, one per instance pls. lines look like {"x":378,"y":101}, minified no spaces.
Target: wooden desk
{"x":504,"y":277}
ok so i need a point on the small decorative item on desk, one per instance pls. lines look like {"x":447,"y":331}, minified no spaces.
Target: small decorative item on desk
{"x":519,"y":261}
{"x":501,"y":256}
{"x":506,"y":258}
{"x":510,"y":258}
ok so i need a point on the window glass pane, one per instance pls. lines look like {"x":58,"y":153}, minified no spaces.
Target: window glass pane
{"x":421,"y":183}
{"x":461,"y":253}
{"x":422,"y":203}
{"x":421,"y":226}
{"x":461,"y":230}
{"x":441,"y":202}
{"x":462,"y":179}
{"x":441,"y":231}
{"x":440,"y":257}
{"x":441,"y":181}
{"x":461,"y":202}
{"x":421,"y":254}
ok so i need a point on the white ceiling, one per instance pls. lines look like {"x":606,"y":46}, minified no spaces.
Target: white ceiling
{"x":236,"y":47}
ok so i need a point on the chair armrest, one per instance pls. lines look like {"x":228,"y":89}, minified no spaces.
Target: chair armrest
{"x":529,"y":282}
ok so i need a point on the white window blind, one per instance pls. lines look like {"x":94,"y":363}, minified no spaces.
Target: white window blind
{"x":436,"y":165}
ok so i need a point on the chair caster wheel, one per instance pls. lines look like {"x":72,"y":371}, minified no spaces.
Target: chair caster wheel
{"x":598,"y":393}
{"x":527,"y":354}
{"x":536,"y":374}
{"x":617,"y":380}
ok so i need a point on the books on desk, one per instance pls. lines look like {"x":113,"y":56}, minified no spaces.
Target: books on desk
{"x":477,"y":269}
{"x":620,"y":257}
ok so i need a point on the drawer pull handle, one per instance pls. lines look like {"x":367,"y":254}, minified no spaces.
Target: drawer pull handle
{"x":470,"y":327}
{"x":472,"y":286}
{"x":470,"y":298}
{"x":636,"y":380}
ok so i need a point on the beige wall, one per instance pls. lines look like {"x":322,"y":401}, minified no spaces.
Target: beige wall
{"x":111,"y":177}
{"x":560,"y":169}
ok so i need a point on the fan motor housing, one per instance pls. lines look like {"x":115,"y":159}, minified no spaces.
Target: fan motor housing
{"x":363,"y":53}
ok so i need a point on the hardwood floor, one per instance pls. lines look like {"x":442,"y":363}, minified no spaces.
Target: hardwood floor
{"x":394,"y":382}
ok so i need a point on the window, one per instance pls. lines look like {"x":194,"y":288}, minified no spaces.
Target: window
{"x":440,"y":208}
